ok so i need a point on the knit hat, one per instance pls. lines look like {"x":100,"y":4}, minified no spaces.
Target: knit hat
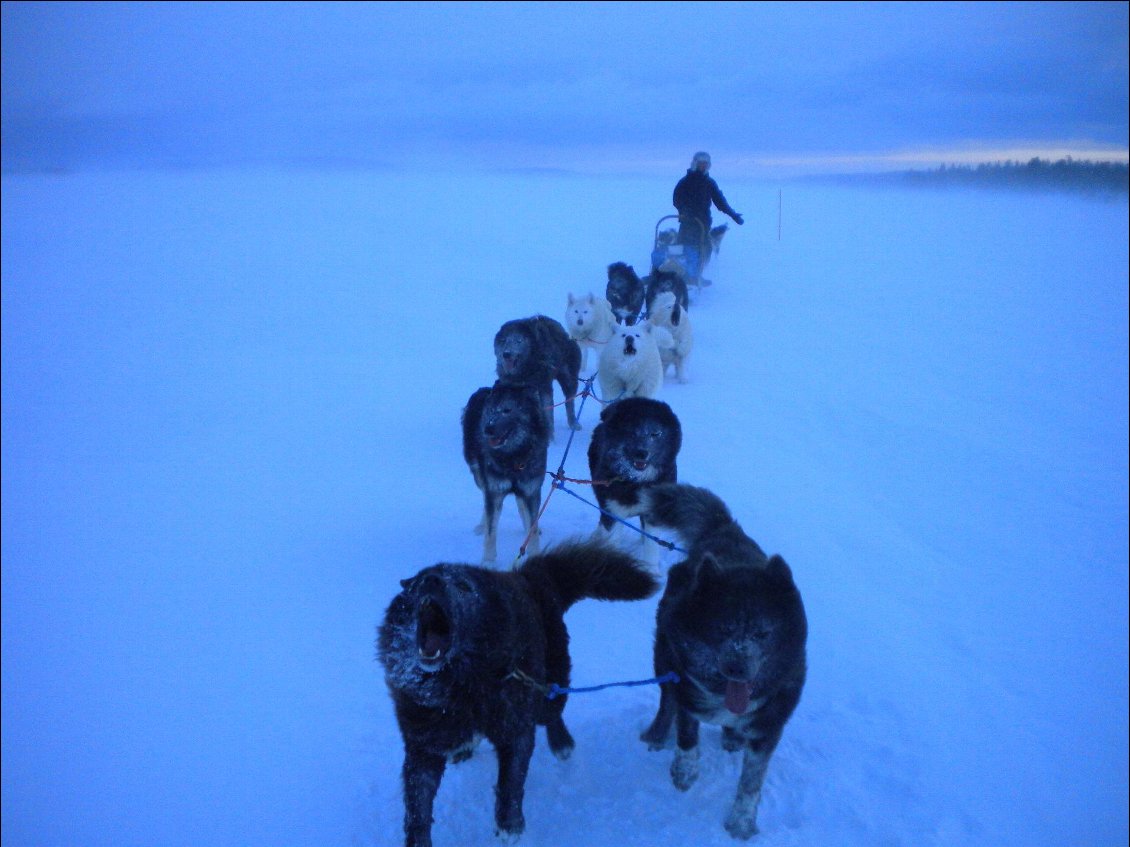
{"x":700,"y":156}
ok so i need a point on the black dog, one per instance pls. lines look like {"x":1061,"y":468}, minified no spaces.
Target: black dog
{"x":732,"y":625}
{"x":625,"y":292}
{"x":469,"y":652}
{"x":536,"y":351}
{"x":634,"y":445}
{"x":716,"y":236}
{"x":505,"y":444}
{"x":660,"y":280}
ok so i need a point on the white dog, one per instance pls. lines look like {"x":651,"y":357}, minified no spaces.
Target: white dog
{"x":590,"y":323}
{"x":667,"y":313}
{"x":630,"y":365}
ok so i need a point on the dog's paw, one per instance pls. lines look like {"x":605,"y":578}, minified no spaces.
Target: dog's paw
{"x":511,"y":833}
{"x":684,"y":769}
{"x":561,"y":743}
{"x":741,"y":822}
{"x":654,"y":741}
{"x":564,"y":752}
{"x":575,"y":426}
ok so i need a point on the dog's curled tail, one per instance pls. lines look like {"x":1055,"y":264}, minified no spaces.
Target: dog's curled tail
{"x":693,"y":512}
{"x":579,"y":569}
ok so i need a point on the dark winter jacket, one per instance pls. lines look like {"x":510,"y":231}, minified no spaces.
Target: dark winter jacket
{"x":695,"y":192}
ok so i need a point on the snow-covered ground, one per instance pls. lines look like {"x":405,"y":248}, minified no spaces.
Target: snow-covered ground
{"x":231,"y":424}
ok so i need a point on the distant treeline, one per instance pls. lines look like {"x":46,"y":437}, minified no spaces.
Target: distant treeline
{"x":1065,"y":175}
{"x":1035,"y":173}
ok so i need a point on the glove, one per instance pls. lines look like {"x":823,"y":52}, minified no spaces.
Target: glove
{"x":738,"y":219}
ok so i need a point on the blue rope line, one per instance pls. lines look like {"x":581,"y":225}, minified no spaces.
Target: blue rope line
{"x":602,"y":401}
{"x":559,"y":480}
{"x":662,"y":542}
{"x":584,"y":395}
{"x":572,"y":432}
{"x":556,"y":690}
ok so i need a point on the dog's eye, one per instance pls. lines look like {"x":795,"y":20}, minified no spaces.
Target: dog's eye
{"x":464,"y":586}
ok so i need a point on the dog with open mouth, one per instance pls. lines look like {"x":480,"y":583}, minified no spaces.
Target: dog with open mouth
{"x":505,"y":445}
{"x":635,"y":445}
{"x":469,"y":652}
{"x":630,"y":363}
{"x":731,"y":624}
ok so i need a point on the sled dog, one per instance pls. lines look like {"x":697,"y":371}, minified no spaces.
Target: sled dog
{"x":669,"y":276}
{"x":667,"y":313}
{"x":716,"y":236}
{"x":625,"y":292}
{"x":630,"y":365}
{"x":590,"y":322}
{"x":468,"y":652}
{"x":536,"y":351}
{"x":635,"y":445}
{"x":732,"y":625}
{"x":505,"y":443}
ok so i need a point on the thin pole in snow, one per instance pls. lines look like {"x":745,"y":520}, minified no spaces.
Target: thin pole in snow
{"x":778,"y":214}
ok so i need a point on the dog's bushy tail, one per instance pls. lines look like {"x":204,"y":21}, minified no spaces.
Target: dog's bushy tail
{"x":580,"y":569}
{"x":695,"y":513}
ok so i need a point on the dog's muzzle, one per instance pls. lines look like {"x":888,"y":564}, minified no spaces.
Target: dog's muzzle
{"x":433,"y":634}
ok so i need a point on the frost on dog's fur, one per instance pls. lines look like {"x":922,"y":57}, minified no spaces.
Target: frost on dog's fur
{"x":467,"y":653}
{"x":669,"y":314}
{"x":630,"y":364}
{"x":590,"y":322}
{"x":732,"y":624}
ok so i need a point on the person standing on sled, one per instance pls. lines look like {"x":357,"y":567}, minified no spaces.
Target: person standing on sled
{"x":693,"y":197}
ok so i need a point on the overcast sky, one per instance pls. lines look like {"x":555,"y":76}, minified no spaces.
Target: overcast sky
{"x":606,"y":86}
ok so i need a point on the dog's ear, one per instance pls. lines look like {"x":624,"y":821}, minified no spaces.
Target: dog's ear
{"x":707,"y":573}
{"x":572,"y":300}
{"x":676,"y":313}
{"x":779,"y":569}
{"x":406,"y":584}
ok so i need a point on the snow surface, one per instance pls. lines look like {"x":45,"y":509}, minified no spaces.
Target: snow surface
{"x":231,"y":424}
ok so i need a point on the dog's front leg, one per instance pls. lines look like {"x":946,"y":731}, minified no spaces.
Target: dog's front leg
{"x":421,"y":774}
{"x":546,"y":394}
{"x":528,"y":503}
{"x":569,"y":388}
{"x":741,"y":822}
{"x":655,"y":736}
{"x":513,"y":765}
{"x":492,"y":509}
{"x":684,"y":770}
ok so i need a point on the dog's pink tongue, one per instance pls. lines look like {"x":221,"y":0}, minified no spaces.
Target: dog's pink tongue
{"x":737,"y":697}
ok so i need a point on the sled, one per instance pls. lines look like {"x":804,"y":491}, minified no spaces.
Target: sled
{"x":686,"y":259}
